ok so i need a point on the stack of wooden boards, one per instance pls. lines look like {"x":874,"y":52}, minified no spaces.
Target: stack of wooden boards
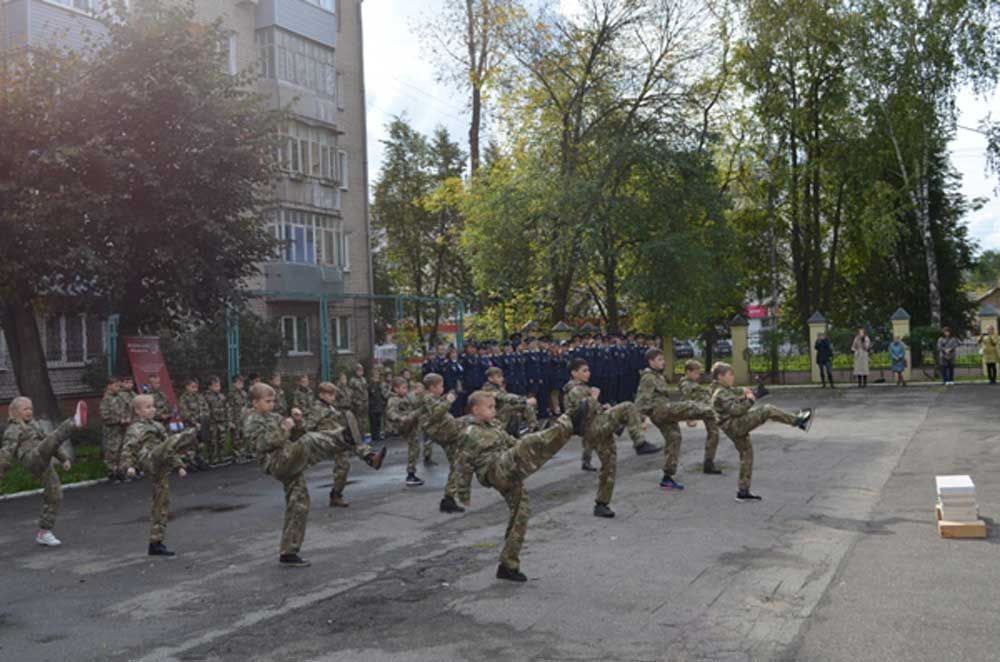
{"x":957,"y":511}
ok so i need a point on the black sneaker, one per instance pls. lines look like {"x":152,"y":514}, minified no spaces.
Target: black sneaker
{"x":159,"y":549}
{"x":744,"y":496}
{"x":375,"y":459}
{"x":413,"y":481}
{"x":602,"y":510}
{"x":646,"y":448}
{"x":293,"y":561}
{"x":586,"y":466}
{"x":448,"y":505}
{"x":579,"y":417}
{"x":803,"y":420}
{"x":503,"y":572}
{"x":709,"y":468}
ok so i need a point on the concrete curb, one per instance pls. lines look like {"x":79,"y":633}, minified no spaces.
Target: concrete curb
{"x":853,"y":385}
{"x":67,"y":486}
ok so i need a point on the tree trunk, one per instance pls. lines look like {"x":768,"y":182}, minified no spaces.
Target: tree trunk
{"x":923,"y":212}
{"x":474,"y":127}
{"x":27,"y":356}
{"x":611,"y":293}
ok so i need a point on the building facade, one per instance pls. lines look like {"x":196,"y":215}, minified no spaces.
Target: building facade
{"x":308,"y":55}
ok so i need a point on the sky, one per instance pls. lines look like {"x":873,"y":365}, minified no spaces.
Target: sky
{"x":400,"y":79}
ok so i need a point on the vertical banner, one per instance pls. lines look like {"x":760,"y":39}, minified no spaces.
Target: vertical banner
{"x":145,"y":358}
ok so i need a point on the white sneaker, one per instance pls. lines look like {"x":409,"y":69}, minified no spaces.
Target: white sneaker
{"x":44,"y":537}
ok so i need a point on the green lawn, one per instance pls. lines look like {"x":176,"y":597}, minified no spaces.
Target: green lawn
{"x":88,"y":466}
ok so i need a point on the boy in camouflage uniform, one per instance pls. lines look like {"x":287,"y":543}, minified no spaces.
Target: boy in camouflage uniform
{"x":512,"y":409}
{"x":236,"y":402}
{"x":218,"y":415}
{"x":303,"y":397}
{"x":149,"y":447}
{"x":127,"y":392}
{"x":446,"y":431}
{"x":600,"y":430}
{"x":193,"y":411}
{"x":401,"y":420}
{"x":502,"y":462}
{"x":359,"y":394}
{"x":161,"y":405}
{"x":691,"y":390}
{"x":653,"y":400}
{"x":114,"y":419}
{"x":739,"y":415}
{"x":280,"y":401}
{"x":286,"y":457}
{"x":26,"y":443}
{"x":323,"y":416}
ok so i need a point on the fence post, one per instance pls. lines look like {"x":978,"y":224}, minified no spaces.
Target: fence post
{"x":233,"y":343}
{"x":324,"y":338}
{"x":739,"y":331}
{"x":817,"y":325}
{"x":901,"y":327}
{"x":987,"y":318}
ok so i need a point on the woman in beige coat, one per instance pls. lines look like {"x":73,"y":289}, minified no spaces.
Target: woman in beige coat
{"x":861,"y":346}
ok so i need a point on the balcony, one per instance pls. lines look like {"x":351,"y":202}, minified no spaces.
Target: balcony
{"x":299,"y":17}
{"x":286,"y":280}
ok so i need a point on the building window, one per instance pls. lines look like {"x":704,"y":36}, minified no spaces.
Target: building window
{"x":70,"y":340}
{"x":295,"y":333}
{"x":342,"y":171}
{"x":323,"y":4}
{"x":307,"y":150}
{"x":342,"y":333}
{"x":293,"y":59}
{"x":310,"y":238}
{"x":231,"y":54}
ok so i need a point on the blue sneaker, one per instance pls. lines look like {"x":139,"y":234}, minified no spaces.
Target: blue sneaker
{"x":669,"y":483}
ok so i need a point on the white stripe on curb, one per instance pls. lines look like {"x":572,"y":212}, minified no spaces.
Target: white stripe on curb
{"x":68,"y":486}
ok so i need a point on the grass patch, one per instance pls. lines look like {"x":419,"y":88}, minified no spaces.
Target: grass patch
{"x":88,"y":465}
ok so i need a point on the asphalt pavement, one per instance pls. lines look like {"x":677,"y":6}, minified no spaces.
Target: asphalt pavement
{"x":841,"y":561}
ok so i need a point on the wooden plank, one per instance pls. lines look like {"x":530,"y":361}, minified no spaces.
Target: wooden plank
{"x":975,"y":529}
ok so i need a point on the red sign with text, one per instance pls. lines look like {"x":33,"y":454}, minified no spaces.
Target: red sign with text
{"x":146,"y":359}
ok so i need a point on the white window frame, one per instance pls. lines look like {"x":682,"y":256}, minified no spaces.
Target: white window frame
{"x":339,"y":332}
{"x":343,"y":169}
{"x":331,"y":243}
{"x":62,"y":361}
{"x":294,"y":350}
{"x":231,"y":61}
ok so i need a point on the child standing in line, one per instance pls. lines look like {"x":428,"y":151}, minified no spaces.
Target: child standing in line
{"x":402,"y":421}
{"x":149,"y":447}
{"x":692,"y":391}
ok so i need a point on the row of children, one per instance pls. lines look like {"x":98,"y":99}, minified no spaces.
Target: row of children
{"x":286,"y":445}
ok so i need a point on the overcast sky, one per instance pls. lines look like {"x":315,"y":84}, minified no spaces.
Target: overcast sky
{"x":400,"y":79}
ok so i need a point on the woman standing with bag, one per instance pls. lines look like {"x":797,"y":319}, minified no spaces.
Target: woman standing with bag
{"x":988,"y":343}
{"x":861,"y":346}
{"x":897,"y":353}
{"x":947,"y":352}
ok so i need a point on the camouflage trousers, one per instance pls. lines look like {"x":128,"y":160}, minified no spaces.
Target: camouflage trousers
{"x":599,"y":437}
{"x":39,"y":463}
{"x":412,"y":450}
{"x":738,"y":429}
{"x":506,"y":473}
{"x":514,"y":417}
{"x":342,"y":465}
{"x":711,"y":440}
{"x":214,"y":449}
{"x":459,"y":484}
{"x":666,"y":416}
{"x":114,"y":440}
{"x":157,"y":464}
{"x":624,"y":415}
{"x":428,"y":447}
{"x":288,"y":465}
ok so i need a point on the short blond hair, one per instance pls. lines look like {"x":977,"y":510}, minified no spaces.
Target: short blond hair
{"x":141,"y":399}
{"x":326,"y":387}
{"x":478,"y":398}
{"x":692,"y":364}
{"x":720,"y":368}
{"x":432,"y":379}
{"x":18,"y":402}
{"x":260,"y":390}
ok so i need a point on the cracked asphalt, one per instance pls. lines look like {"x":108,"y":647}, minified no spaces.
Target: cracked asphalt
{"x":841,"y":561}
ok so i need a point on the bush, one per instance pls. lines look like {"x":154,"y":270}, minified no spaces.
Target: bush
{"x":87,"y":466}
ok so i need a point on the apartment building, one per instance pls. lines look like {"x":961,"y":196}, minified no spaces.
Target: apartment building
{"x":307,"y":54}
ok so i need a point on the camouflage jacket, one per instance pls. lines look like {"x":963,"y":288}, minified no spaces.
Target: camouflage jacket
{"x":19,"y":439}
{"x":192,"y":408}
{"x":127,"y":397}
{"x":303,"y":399}
{"x":280,"y":402}
{"x":161,"y":407}
{"x":692,"y":390}
{"x":322,"y":417}
{"x":265,"y":434}
{"x":576,"y":392}
{"x":401,"y":415}
{"x":729,"y":402}
{"x":115,"y":411}
{"x":218,"y":408}
{"x":359,"y":393}
{"x":482,"y":444}
{"x":653,"y":388}
{"x":142,"y":437}
{"x":237,"y":401}
{"x":437,"y":423}
{"x":508,"y":404}
{"x":342,"y":397}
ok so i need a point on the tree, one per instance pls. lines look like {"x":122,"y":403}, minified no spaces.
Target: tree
{"x":986,"y":270}
{"x":43,"y":222}
{"x":471,"y":62}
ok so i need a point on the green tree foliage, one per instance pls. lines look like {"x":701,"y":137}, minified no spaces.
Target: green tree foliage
{"x":985,"y":272}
